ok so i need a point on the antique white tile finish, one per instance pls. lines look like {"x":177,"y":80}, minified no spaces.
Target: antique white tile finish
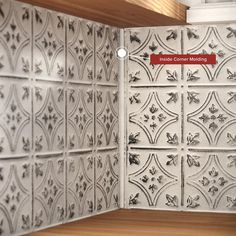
{"x":80,"y":185}
{"x":48,"y":119}
{"x":107,"y":160}
{"x":59,"y":119}
{"x":189,"y":109}
{"x":153,"y":120}
{"x":210,"y":120}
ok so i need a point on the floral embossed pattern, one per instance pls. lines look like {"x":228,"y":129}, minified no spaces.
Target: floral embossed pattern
{"x":188,"y":109}
{"x":49,"y":132}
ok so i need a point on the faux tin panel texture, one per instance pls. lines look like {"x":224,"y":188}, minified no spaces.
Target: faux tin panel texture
{"x":181,"y":120}
{"x":59,"y":156}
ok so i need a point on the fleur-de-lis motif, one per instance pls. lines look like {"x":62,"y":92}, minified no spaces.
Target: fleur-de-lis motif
{"x":192,"y":160}
{"x":172,"y":139}
{"x":232,"y":161}
{"x":38,"y":219}
{"x":153,"y":47}
{"x":90,"y":206}
{"x":172,"y":201}
{"x":25,"y":222}
{"x":231,"y":75}
{"x":90,"y":139}
{"x":26,"y":170}
{"x":191,"y":33}
{"x":212,"y":44}
{"x":191,"y":75}
{"x":231,"y":202}
{"x":99,"y":204}
{"x":231,"y":139}
{"x":26,"y":66}
{"x":133,"y":199}
{"x":172,"y":160}
{"x":192,"y":97}
{"x":134,"y":38}
{"x":134,"y":98}
{"x":172,"y":76}
{"x":192,"y":139}
{"x":232,"y":32}
{"x":71,"y":210}
{"x":134,"y":77}
{"x":192,"y":202}
{"x":232,"y":97}
{"x":134,"y":159}
{"x":133,"y":138}
{"x":173,"y":97}
{"x":173,"y":34}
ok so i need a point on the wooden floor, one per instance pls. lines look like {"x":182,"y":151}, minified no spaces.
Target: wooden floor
{"x":148,"y":223}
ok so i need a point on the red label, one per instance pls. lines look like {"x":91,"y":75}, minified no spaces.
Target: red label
{"x":182,"y":59}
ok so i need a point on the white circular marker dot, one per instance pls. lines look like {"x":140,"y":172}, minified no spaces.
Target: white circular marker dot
{"x":121,"y":53}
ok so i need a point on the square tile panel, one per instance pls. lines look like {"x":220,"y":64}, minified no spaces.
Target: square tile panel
{"x":15,"y":196}
{"x":107,"y":105}
{"x":210,"y":181}
{"x":49,"y":190}
{"x":154,"y":117}
{"x":154,"y":179}
{"x":107,"y":180}
{"x":211,"y":117}
{"x":49,"y":117}
{"x":141,"y":43}
{"x":80,"y":50}
{"x":80,"y":185}
{"x":15,"y":39}
{"x":80,"y":120}
{"x":49,"y":44}
{"x":107,"y":65}
{"x":15,"y":117}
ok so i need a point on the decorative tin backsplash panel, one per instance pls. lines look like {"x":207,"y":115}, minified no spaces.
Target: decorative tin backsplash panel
{"x":107,"y":161}
{"x":59,"y":157}
{"x":59,"y":119}
{"x":181,"y":120}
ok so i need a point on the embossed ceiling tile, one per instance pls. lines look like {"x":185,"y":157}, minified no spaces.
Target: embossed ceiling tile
{"x":80,"y":43}
{"x":49,"y":46}
{"x":107,"y":65}
{"x":15,"y":39}
{"x":107,"y":180}
{"x":15,"y":196}
{"x":211,"y":117}
{"x":107,"y":133}
{"x":210,"y":181}
{"x":80,"y":123}
{"x":49,"y":191}
{"x":141,"y":43}
{"x":80,"y":182}
{"x":49,"y":117}
{"x":15,"y":117}
{"x":211,"y":40}
{"x":154,"y":179}
{"x":154,"y":117}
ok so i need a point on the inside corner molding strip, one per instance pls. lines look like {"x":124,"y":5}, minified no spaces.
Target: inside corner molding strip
{"x":82,"y":132}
